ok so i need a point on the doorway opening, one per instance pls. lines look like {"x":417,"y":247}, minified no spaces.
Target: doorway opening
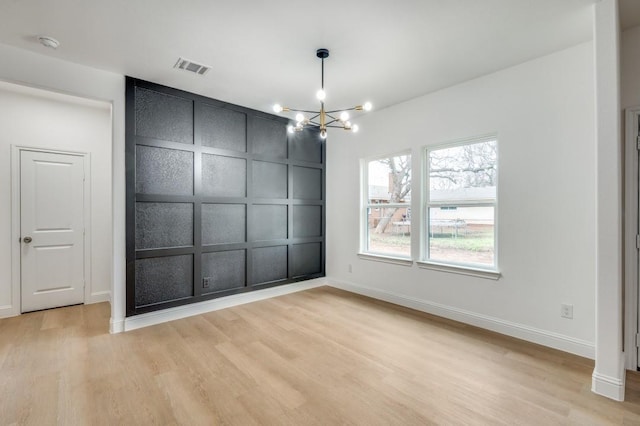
{"x":71,"y":139}
{"x":631,"y":225}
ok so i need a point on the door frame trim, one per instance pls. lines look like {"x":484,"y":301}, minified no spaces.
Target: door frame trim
{"x":16,"y":276}
{"x":631,"y":229}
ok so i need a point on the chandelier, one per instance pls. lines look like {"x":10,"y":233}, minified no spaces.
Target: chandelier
{"x":323,"y":119}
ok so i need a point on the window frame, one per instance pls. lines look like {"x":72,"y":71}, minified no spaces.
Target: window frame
{"x":365,"y":205}
{"x":468,"y":268}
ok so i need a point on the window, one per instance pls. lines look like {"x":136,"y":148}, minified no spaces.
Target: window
{"x":461,"y":204}
{"x":387,"y":206}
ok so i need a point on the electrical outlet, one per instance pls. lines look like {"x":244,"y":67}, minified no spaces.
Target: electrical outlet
{"x":206,"y":282}
{"x":350,"y":268}
{"x":566,"y":311}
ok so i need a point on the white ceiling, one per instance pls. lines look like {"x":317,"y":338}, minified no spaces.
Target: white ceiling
{"x":262,"y":52}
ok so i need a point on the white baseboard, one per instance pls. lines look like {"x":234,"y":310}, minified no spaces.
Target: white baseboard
{"x":152,"y":318}
{"x":116,"y":325}
{"x":546,"y":338}
{"x":7,"y":311}
{"x":99,"y":296}
{"x":610,"y":387}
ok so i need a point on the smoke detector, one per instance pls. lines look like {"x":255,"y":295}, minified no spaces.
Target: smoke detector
{"x":49,"y":42}
{"x":187,"y":65}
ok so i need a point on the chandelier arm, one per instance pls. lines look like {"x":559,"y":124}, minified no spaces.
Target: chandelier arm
{"x":303,"y":110}
{"x":335,"y":127}
{"x":332,"y":121}
{"x":340,"y":110}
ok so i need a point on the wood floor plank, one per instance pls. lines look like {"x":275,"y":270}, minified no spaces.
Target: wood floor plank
{"x":318,"y":357}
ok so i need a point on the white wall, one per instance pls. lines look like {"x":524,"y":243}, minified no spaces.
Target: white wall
{"x":41,"y":119}
{"x":27,"y":68}
{"x":543,"y":113}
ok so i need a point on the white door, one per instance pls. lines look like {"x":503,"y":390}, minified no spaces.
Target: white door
{"x":51,"y":229}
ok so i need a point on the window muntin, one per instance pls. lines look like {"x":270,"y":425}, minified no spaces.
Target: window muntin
{"x":387,"y":221}
{"x":461,"y":204}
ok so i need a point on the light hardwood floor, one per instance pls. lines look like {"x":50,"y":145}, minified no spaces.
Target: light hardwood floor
{"x":321,"y":356}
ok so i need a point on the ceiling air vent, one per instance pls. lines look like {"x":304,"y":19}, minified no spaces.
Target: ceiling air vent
{"x":187,"y":65}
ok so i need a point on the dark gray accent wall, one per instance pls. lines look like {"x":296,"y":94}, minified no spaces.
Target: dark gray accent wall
{"x":220,"y":199}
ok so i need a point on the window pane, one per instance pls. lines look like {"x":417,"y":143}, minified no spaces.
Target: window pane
{"x":390,"y":180}
{"x":462,"y":234}
{"x":389,"y":230}
{"x":465,"y":172}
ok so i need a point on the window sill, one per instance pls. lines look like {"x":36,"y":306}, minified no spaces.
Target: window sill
{"x":463,"y":270}
{"x":386,"y":259}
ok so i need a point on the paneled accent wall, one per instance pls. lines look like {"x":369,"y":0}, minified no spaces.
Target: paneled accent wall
{"x":220,"y":199}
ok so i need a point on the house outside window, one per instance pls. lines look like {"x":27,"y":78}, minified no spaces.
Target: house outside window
{"x":461,"y":204}
{"x":386,"y":218}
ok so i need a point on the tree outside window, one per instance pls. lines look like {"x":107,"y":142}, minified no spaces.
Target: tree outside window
{"x":388,"y":206}
{"x":461,"y":204}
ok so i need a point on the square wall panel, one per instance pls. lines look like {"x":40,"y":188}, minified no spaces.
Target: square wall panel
{"x":306,"y":146}
{"x":222,"y":128}
{"x":268,"y":137}
{"x":163,"y":171}
{"x":269,"y":264}
{"x":224,"y":176}
{"x":307,"y":259}
{"x":164,"y":117}
{"x":307,"y":221}
{"x":307,"y":183}
{"x":224,"y":223}
{"x":223,"y":270}
{"x":269,"y":222}
{"x":269,"y":180}
{"x":161,"y":225}
{"x":162,"y":279}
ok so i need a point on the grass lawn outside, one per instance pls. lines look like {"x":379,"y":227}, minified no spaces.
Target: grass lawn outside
{"x":473,"y":245}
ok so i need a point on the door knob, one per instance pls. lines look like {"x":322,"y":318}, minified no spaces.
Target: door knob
{"x":27,"y":240}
